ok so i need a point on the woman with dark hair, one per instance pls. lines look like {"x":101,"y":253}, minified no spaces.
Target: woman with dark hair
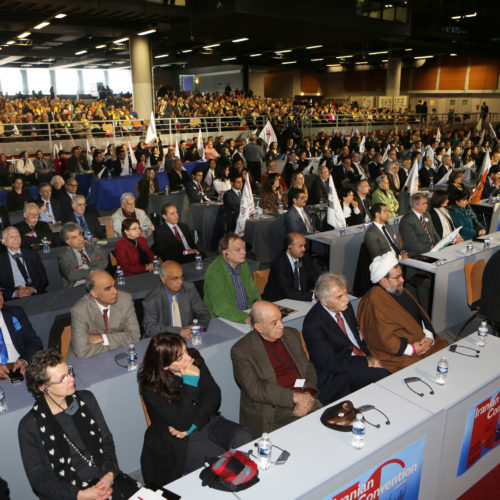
{"x":272,"y":195}
{"x":455,"y":186}
{"x":209,"y":174}
{"x":146,"y":186}
{"x":192,"y":154}
{"x":141,"y":164}
{"x":221,"y":180}
{"x":463,"y":215}
{"x":272,"y":153}
{"x":352,"y":213}
{"x":132,"y":251}
{"x":141,"y":149}
{"x":182,"y":400}
{"x":19,"y":196}
{"x":66,"y":447}
{"x":440,"y":215}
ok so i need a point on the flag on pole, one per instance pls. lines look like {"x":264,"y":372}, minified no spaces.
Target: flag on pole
{"x":422,"y":151}
{"x":438,"y":135}
{"x":481,"y":139}
{"x":133,"y":159}
{"x":444,"y":179}
{"x":492,"y":130}
{"x":386,"y":152}
{"x":177,"y":151}
{"x":486,"y":165}
{"x":201,"y":149}
{"x":467,"y":137}
{"x":478,"y":190}
{"x":247,"y":208}
{"x":362,"y":145}
{"x":268,"y":135}
{"x":334,"y":215}
{"x":151,"y":132}
{"x":55,"y":152}
{"x":448,"y":151}
{"x":411,"y":183}
{"x":479,"y":125}
{"x":89,"y":155}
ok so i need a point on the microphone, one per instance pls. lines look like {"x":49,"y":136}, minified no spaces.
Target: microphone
{"x":409,"y":380}
{"x":453,"y":348}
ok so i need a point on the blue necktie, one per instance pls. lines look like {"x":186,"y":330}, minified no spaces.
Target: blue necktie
{"x":83,"y":224}
{"x":4,"y":355}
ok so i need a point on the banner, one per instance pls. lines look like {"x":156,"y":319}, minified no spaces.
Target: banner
{"x":398,"y":477}
{"x":482,"y":431}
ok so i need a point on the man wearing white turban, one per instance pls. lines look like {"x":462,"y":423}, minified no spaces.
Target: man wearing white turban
{"x":395,"y":327}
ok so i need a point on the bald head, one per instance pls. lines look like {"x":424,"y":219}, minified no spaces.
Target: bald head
{"x":295,"y":245}
{"x":172,"y":276}
{"x":266,"y":319}
{"x":101,"y":286}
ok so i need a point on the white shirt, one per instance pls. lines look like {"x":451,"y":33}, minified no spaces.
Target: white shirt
{"x":11,"y":350}
{"x":102,"y":308}
{"x":351,"y":336}
{"x":81,"y":265}
{"x":184,"y":241}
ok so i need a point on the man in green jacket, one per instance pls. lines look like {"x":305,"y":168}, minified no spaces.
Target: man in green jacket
{"x":229,"y":287}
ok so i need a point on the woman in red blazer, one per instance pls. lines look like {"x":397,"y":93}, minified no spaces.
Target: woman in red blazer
{"x":132,"y":251}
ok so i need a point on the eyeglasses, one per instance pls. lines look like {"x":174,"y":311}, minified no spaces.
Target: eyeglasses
{"x":399,"y":276}
{"x":71,"y":373}
{"x":175,"y":278}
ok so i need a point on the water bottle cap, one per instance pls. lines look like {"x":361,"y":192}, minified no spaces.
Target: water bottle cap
{"x":265,"y":435}
{"x":131,"y":346}
{"x":483,"y":323}
{"x":359,"y":416}
{"x":195,"y":321}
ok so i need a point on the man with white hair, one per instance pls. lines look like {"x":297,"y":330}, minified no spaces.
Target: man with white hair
{"x":33,"y":230}
{"x":395,"y":327}
{"x":128,"y":210}
{"x":446,"y":165}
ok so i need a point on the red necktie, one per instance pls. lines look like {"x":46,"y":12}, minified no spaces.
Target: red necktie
{"x":178,"y":236}
{"x":340,"y":321}
{"x":106,"y":320}
{"x":85,"y":259}
{"x":199,"y":187}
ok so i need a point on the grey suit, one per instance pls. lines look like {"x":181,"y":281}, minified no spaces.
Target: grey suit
{"x":68,"y":263}
{"x":415,"y":239}
{"x":376,"y":241}
{"x":260,"y":394}
{"x":87,"y":319}
{"x":157,"y":310}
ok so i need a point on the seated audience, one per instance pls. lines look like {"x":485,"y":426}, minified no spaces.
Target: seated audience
{"x":463,"y":215}
{"x":278,"y":383}
{"x":196,"y":192}
{"x":103,"y":319}
{"x":291,"y":167}
{"x":178,"y":176}
{"x":132,"y":251}
{"x":362,"y":196}
{"x":146,"y":186}
{"x":43,"y":167}
{"x":440,"y":215}
{"x":128,"y":210}
{"x":375,"y":167}
{"x":384,"y":195}
{"x":173,"y":304}
{"x":492,"y":184}
{"x":50,"y":210}
{"x":427,"y":173}
{"x":79,"y":258}
{"x":86,"y":218}
{"x":60,"y":467}
{"x":232,"y":200}
{"x":444,"y":168}
{"x":77,"y":162}
{"x":57,"y":184}
{"x":292,"y":274}
{"x":18,"y":197}
{"x":455,"y":186}
{"x":182,"y":400}
{"x":221,"y":182}
{"x":320,"y":187}
{"x":25,"y":168}
{"x":340,"y":356}
{"x":392,"y":172}
{"x":349,"y":205}
{"x":297,"y":220}
{"x":229,"y":288}
{"x":299,"y":182}
{"x":379,"y":238}
{"x":272,"y":196}
{"x":490,"y":292}
{"x":271,"y":169}
{"x":32,"y":230}
{"x":67,"y":196}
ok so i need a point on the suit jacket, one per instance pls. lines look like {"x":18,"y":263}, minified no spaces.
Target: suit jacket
{"x":168,"y":247}
{"x":403,"y":175}
{"x":232,"y":208}
{"x":68,"y":263}
{"x":22,"y":334}
{"x":143,"y":189}
{"x":376,"y":241}
{"x":176,"y":181}
{"x":362,"y":210}
{"x":57,"y":210}
{"x":294,"y":222}
{"x":415,"y":239}
{"x":281,"y":283}
{"x":489,"y":189}
{"x":194,"y":194}
{"x":117,"y":218}
{"x":490,"y":295}
{"x":318,"y":192}
{"x":86,"y":319}
{"x":92,"y":221}
{"x":157,"y":310}
{"x":260,"y":394}
{"x":330,"y":351}
{"x":441,"y":172}
{"x":127,"y":256}
{"x":66,"y":203}
{"x":42,"y":229}
{"x":375,"y":169}
{"x":424,"y":176}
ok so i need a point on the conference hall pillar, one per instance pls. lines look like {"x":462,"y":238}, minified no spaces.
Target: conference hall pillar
{"x":142,"y":76}
{"x":393,"y":76}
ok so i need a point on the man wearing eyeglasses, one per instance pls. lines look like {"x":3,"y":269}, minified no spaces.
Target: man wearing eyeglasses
{"x":86,"y":217}
{"x":18,"y":340}
{"x":67,"y":196}
{"x":173,"y":304}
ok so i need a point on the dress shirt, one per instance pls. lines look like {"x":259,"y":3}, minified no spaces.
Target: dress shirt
{"x":16,"y":273}
{"x":239,"y":287}
{"x":367,"y":211}
{"x":305,"y":219}
{"x":48,"y":214}
{"x":409,"y":349}
{"x":105,"y":340}
{"x":380,"y":226}
{"x":183,"y":238}
{"x":11,"y":350}
{"x":351,"y":336}
{"x":81,"y":265}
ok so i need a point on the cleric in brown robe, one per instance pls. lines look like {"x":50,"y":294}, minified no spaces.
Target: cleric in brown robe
{"x":396,"y":328}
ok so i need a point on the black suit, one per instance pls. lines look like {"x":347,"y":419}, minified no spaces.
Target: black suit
{"x":403,"y":175}
{"x":42,"y":230}
{"x":281,"y":284}
{"x":22,"y":334}
{"x":489,"y":189}
{"x":56,"y":207}
{"x":177,"y":182}
{"x":34,"y":266}
{"x":143,"y":191}
{"x":193,"y":192}
{"x":318,"y":191}
{"x":66,"y":203}
{"x":424,"y":176}
{"x":232,"y":208}
{"x":364,"y":206}
{"x":441,"y":172}
{"x":339,"y":373}
{"x":168,"y":247}
{"x":92,"y":220}
{"x":375,"y":169}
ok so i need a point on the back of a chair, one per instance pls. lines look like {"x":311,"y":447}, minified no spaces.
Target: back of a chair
{"x":261,"y":278}
{"x":65,"y":341}
{"x":112,"y":259}
{"x":474,"y":280}
{"x":303,"y":342}
{"x":146,"y":414}
{"x":110,"y":232}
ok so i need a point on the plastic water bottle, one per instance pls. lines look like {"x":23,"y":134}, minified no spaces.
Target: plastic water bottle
{"x":264,"y":450}
{"x":156,"y":265}
{"x":145,"y":231}
{"x":198,"y":262}
{"x":45,"y":245}
{"x":431,"y":184}
{"x":469,"y":249}
{"x":342,"y":231}
{"x":196,"y":331}
{"x":358,"y":432}
{"x":120,"y":279}
{"x":482,"y":334}
{"x":3,"y":401}
{"x":280,"y":208}
{"x":442,"y":371}
{"x":131,"y":358}
{"x":167,"y":190}
{"x":487,"y":243}
{"x":89,"y":237}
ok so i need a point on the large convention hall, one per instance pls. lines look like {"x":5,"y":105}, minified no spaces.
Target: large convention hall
{"x":249,"y":249}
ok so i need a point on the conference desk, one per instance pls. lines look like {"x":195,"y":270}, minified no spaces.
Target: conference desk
{"x":178,"y":198}
{"x":202,"y":218}
{"x":449,"y":301}
{"x":488,"y":213}
{"x":266,"y":235}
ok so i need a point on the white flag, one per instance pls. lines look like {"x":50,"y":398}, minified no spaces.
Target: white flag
{"x":247,"y":208}
{"x":486,"y":164}
{"x":334,"y":215}
{"x":89,"y":155}
{"x":386,"y":152}
{"x":412,"y":179}
{"x":444,"y":179}
{"x":362,"y":145}
{"x":438,"y":135}
{"x":133,"y":159}
{"x":151,"y":132}
{"x":445,"y":241}
{"x":55,"y":153}
{"x":467,"y":137}
{"x":479,"y":125}
{"x":448,"y":152}
{"x":177,"y":153}
{"x":492,"y":130}
{"x":201,"y":149}
{"x":481,"y":139}
{"x":267,"y":134}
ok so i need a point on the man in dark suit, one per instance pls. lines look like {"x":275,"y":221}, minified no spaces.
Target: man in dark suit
{"x":445,"y":167}
{"x":173,"y":239}
{"x":182,"y":150}
{"x":173,"y":304}
{"x":51,"y":210}
{"x":319,"y":186}
{"x":362,"y":196}
{"x":22,"y":272}
{"x":492,"y":184}
{"x":232,"y":200}
{"x":426,"y":172}
{"x":18,"y":339}
{"x":86,"y":218}
{"x":195,"y":191}
{"x":375,"y":167}
{"x":177,"y":177}
{"x":344,"y":173}
{"x":292,"y":274}
{"x":32,"y":230}
{"x":490,"y":295}
{"x":342,"y":360}
{"x":297,"y":220}
{"x":379,"y":237}
{"x":67,"y":196}
{"x":404,"y":171}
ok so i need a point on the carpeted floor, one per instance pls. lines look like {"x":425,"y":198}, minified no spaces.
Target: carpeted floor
{"x":486,"y":488}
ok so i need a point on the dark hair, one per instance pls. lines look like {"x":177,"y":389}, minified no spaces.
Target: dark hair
{"x":454,"y":175}
{"x":462,"y":195}
{"x":35,"y":374}
{"x":376,"y":208}
{"x":220,"y":172}
{"x":166,"y":206}
{"x":346,"y":190}
{"x":163,"y":350}
{"x":268,"y":187}
{"x":437,"y":198}
{"x":146,"y":172}
{"x":293,"y":194}
{"x":235,"y":177}
{"x":127,"y":223}
{"x":224,"y":241}
{"x":96,"y":153}
{"x":44,"y":184}
{"x":494,"y":169}
{"x":195,"y":171}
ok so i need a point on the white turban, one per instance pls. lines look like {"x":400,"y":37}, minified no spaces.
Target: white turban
{"x":381,"y":266}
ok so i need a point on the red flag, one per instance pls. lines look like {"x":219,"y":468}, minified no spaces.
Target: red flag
{"x":478,"y":191}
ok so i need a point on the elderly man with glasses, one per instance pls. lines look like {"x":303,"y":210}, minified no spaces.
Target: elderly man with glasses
{"x":87,"y":218}
{"x":173,"y":305}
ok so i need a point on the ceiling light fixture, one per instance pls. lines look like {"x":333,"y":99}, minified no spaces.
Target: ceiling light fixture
{"x":453,"y":55}
{"x":423,"y":57}
{"x":229,"y":59}
{"x":333,"y":65}
{"x":255,"y":55}
{"x":377,"y":53}
{"x":187,"y":51}
{"x":10,"y":42}
{"x":121,"y":40}
{"x":288,"y":62}
{"x":239,"y":40}
{"x":314,"y":47}
{"x":102,"y":46}
{"x":317,"y":59}
{"x":41,"y":25}
{"x":62,"y":15}
{"x":147,"y":32}
{"x":24,"y":35}
{"x":282,"y":51}
{"x":80,"y":52}
{"x":361,"y":62}
{"x":344,"y":57}
{"x":474,"y":14}
{"x":211,"y":46}
{"x":160,"y":56}
{"x":385,"y":60}
{"x":408,"y":50}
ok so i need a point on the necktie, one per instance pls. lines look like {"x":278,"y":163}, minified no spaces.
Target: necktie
{"x":296,"y":276}
{"x":47,"y":209}
{"x":22,"y":268}
{"x":85,"y":259}
{"x":367,"y":209}
{"x":83,"y":224}
{"x":199,"y":188}
{"x":176,"y":313}
{"x":340,"y":322}
{"x":424,"y":225}
{"x":4,"y":355}
{"x":177,"y":235}
{"x":306,"y":221}
{"x":391,"y":242}
{"x":106,"y":320}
